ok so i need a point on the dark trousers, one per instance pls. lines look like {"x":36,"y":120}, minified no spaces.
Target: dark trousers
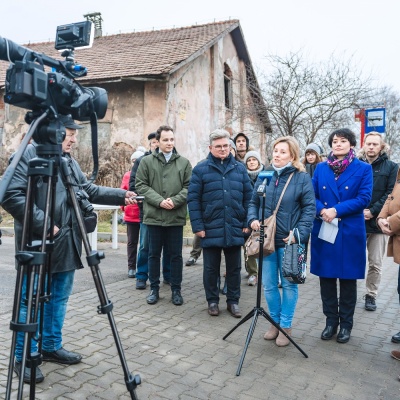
{"x":161,"y":237}
{"x":211,"y":273}
{"x":132,"y":232}
{"x":339,"y":309}
{"x":196,"y":247}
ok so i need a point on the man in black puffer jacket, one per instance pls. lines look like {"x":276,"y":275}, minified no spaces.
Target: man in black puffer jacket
{"x":218,"y":199}
{"x":385,"y":172}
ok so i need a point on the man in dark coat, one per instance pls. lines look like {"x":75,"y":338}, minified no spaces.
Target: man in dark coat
{"x":218,"y":199}
{"x":66,"y":255}
{"x":384,"y":175}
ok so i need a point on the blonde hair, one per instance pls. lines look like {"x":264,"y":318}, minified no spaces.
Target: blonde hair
{"x":294,"y":150}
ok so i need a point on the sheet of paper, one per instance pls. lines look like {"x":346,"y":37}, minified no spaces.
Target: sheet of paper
{"x":329,"y":231}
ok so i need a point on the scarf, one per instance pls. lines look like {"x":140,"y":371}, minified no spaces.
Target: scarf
{"x":279,"y":170}
{"x":254,"y":174}
{"x":339,"y":166}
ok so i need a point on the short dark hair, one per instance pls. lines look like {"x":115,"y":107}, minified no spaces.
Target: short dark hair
{"x":163,"y":128}
{"x":345,"y":133}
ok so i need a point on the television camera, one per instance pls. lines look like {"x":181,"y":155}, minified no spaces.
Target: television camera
{"x":28,"y":86}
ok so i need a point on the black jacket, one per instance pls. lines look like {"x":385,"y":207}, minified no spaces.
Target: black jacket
{"x":68,"y":241}
{"x":385,"y":172}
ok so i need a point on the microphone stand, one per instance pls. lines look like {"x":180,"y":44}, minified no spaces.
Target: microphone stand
{"x":258,"y":310}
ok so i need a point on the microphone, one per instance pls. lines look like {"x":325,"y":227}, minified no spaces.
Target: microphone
{"x":267,"y":176}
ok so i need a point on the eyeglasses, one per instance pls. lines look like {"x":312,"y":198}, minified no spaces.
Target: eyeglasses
{"x":221,"y":146}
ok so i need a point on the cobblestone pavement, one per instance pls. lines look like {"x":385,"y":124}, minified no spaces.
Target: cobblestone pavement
{"x":180,"y":354}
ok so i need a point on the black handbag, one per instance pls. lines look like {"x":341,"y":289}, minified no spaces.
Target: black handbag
{"x":294,"y":263}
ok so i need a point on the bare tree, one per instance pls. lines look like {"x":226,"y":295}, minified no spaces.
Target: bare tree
{"x":308,"y":100}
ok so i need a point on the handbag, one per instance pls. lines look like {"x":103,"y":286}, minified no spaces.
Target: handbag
{"x":294,"y":263}
{"x":252,"y":245}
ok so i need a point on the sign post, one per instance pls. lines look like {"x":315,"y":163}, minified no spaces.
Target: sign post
{"x":372,"y":120}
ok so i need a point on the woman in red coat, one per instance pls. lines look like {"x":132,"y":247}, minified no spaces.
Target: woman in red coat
{"x":132,"y":220}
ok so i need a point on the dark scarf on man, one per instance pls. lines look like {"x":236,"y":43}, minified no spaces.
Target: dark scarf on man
{"x":339,"y":166}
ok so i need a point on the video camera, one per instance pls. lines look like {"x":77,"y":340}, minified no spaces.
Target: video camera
{"x":28,"y":86}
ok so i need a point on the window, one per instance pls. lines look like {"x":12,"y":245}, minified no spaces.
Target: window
{"x":228,"y":87}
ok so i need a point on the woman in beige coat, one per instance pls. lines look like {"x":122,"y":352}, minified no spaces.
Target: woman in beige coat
{"x":389,"y":222}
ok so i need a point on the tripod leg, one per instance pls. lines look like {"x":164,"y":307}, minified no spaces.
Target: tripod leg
{"x":30,"y":278}
{"x":242,"y":321}
{"x":266,"y":316}
{"x":248,"y":339}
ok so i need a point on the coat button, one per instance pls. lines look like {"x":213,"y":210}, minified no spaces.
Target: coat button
{"x":347,"y":188}
{"x":325,"y":204}
{"x":324,"y":187}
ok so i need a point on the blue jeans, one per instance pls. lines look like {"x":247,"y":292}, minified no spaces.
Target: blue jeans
{"x":142,"y":266}
{"x":281,"y":308}
{"x":54,"y":314}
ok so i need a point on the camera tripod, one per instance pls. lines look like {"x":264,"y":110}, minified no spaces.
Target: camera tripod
{"x":258,"y":310}
{"x":33,"y":283}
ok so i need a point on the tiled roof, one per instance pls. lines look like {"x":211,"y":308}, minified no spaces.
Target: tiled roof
{"x":139,"y":54}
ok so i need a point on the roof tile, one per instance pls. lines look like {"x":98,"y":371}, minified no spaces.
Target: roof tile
{"x":137,"y":54}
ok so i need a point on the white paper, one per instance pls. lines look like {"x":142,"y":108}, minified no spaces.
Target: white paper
{"x":329,"y":231}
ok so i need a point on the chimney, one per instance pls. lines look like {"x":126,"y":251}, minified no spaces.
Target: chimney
{"x":95,"y":17}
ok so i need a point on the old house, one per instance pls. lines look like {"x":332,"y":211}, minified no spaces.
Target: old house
{"x":195,"y":79}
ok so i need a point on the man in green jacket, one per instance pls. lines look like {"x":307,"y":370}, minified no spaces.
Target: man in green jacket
{"x":163,"y":179}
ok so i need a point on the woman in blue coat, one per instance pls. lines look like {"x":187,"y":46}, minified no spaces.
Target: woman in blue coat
{"x":343,"y":188}
{"x":297,"y":210}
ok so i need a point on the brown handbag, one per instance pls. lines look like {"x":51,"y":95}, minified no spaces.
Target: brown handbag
{"x":252,"y":245}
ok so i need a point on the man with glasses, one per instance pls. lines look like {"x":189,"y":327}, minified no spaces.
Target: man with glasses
{"x":218,"y":199}
{"x":67,"y":250}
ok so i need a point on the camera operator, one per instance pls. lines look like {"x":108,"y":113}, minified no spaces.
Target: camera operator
{"x":67,"y":244}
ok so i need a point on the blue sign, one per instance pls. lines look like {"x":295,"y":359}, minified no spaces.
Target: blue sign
{"x":375,"y":120}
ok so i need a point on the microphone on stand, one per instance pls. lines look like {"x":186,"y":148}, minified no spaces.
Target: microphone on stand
{"x":267,"y":176}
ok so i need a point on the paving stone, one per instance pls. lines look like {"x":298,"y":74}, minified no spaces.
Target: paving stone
{"x":180,"y":354}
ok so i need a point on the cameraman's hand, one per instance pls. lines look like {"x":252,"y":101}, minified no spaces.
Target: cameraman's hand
{"x":129,"y":198}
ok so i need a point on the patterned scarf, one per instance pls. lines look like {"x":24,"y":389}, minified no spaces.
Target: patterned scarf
{"x":339,"y":166}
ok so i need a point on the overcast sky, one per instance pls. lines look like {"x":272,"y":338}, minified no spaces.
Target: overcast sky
{"x":368,"y":30}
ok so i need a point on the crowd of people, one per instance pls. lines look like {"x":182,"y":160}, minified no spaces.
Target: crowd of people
{"x":354,"y":196}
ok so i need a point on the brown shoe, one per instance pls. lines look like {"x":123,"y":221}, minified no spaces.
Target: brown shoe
{"x":234,"y":310}
{"x":213,"y":309}
{"x":282,"y":340}
{"x":272,"y":333}
{"x":395,"y":354}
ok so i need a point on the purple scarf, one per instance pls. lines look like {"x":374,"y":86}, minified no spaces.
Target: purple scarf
{"x":339,"y":166}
